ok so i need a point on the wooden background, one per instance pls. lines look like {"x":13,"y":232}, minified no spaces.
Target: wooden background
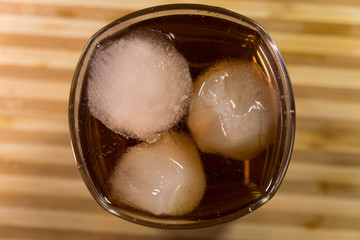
{"x":42,"y":195}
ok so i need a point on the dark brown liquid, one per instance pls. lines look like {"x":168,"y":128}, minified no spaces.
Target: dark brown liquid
{"x":231,"y":184}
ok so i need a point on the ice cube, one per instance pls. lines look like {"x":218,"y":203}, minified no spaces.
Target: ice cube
{"x":165,"y":177}
{"x":233,"y":110}
{"x":139,"y":85}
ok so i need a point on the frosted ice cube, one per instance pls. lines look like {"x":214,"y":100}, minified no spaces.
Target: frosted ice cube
{"x":233,"y":110}
{"x":139,"y":85}
{"x":165,"y":177}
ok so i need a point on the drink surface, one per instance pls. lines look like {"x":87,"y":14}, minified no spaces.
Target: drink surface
{"x":231,"y":185}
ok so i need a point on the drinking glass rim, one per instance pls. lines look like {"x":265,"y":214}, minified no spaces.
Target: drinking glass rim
{"x":169,"y":10}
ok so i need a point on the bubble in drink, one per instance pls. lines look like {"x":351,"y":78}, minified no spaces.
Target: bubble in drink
{"x":139,"y":85}
{"x":165,"y":177}
{"x":233,"y":110}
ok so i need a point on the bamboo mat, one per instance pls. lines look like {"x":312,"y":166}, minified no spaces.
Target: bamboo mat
{"x":42,"y":195}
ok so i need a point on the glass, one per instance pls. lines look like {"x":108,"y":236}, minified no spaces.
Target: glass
{"x":187,"y":23}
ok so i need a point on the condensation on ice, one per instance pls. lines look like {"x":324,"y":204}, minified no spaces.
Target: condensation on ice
{"x":139,"y":85}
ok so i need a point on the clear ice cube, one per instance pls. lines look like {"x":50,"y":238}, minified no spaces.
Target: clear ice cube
{"x":165,"y":177}
{"x":233,"y":110}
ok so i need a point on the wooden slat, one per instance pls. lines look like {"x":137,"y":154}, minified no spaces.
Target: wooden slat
{"x":49,"y":26}
{"x":36,"y":153}
{"x":43,"y":42}
{"x":37,"y":72}
{"x":35,"y":89}
{"x":328,"y":109}
{"x":317,"y":44}
{"x":43,"y":185}
{"x":98,"y":223}
{"x":309,"y":11}
{"x":63,"y":11}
